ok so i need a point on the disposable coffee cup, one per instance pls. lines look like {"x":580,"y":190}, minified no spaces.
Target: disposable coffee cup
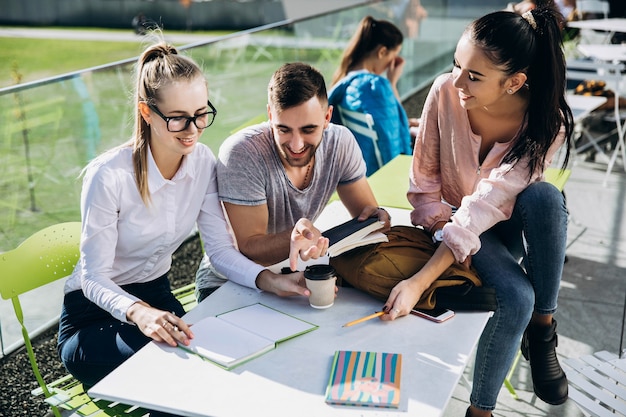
{"x":320,"y":280}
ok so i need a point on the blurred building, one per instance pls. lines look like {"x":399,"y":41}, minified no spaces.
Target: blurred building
{"x":170,"y":14}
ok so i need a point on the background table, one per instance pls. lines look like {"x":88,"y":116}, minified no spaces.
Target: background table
{"x":611,"y":25}
{"x":604,"y":52}
{"x":582,"y":106}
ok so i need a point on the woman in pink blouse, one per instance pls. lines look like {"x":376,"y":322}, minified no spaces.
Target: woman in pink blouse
{"x":488,"y":131}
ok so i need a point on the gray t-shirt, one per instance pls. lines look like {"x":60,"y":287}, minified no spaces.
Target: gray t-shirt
{"x":249,"y":172}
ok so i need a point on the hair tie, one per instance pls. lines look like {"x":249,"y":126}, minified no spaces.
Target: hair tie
{"x":528,"y":16}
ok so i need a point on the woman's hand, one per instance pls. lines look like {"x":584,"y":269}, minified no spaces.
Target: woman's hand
{"x":402,"y":298}
{"x":159,"y":325}
{"x":467,"y":263}
{"x":306,"y":242}
{"x":405,"y":295}
{"x":394,"y":71}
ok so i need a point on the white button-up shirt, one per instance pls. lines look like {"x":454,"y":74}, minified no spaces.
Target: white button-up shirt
{"x":125,"y":241}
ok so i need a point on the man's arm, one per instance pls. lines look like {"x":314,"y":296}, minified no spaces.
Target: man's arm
{"x":249,"y":224}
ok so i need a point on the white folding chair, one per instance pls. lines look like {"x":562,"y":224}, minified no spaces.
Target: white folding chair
{"x":362,"y":123}
{"x":597,"y":383}
{"x":611,"y":74}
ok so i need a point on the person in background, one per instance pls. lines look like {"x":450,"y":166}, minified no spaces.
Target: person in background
{"x":138,"y":23}
{"x":276,"y":177}
{"x":521,"y":7}
{"x":488,"y":130}
{"x":366,"y":82}
{"x":139,"y":202}
{"x":567,"y":8}
{"x":411,"y":18}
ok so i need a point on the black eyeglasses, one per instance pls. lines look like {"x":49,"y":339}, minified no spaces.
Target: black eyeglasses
{"x":180,"y":123}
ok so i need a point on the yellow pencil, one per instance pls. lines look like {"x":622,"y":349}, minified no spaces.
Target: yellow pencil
{"x":361,"y":320}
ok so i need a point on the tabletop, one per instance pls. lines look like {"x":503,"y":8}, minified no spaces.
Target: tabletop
{"x":582,"y":106}
{"x":291,"y":379}
{"x":604,"y":52}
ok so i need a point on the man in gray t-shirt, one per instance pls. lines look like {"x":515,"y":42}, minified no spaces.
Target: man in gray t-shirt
{"x":276,"y":177}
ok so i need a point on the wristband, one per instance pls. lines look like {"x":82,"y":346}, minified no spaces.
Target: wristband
{"x":380,"y":208}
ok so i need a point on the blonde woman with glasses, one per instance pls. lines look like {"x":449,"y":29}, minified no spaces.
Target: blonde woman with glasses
{"x":139,"y":202}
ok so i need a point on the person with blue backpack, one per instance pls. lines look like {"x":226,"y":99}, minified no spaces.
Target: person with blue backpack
{"x":365,"y":82}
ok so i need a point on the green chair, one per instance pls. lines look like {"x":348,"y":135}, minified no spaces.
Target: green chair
{"x":186,"y":295}
{"x":46,"y":256}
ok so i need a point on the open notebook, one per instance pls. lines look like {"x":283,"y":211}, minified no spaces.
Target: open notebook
{"x":232,"y":338}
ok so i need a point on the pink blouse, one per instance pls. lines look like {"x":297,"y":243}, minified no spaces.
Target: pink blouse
{"x":446,"y":169}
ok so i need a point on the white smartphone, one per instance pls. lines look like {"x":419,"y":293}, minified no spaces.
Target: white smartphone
{"x":438,"y":314}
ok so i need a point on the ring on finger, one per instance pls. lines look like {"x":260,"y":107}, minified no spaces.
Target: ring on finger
{"x":395,"y":310}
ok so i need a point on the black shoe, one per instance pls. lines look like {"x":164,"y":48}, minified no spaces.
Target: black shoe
{"x":468,"y":414}
{"x":539,"y":347}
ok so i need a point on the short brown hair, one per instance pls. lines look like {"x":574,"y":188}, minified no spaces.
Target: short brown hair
{"x":295,"y":83}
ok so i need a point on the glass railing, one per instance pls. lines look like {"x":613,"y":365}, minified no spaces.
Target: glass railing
{"x":50,"y":129}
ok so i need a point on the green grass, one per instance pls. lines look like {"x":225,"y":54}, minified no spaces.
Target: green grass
{"x":42,"y":58}
{"x":56,"y":57}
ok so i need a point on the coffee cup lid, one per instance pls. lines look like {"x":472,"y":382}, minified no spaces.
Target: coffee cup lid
{"x":319,"y":272}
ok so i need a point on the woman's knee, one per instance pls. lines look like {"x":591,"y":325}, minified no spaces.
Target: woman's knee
{"x":542,"y":194}
{"x":515,"y":304}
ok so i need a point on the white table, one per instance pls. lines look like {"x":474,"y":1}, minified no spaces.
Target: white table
{"x":604,"y":52}
{"x":610,"y":25}
{"x":582,"y":106}
{"x":291,"y":380}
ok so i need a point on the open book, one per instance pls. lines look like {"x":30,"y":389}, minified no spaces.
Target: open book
{"x":232,"y":338}
{"x":365,"y":379}
{"x":352,"y":234}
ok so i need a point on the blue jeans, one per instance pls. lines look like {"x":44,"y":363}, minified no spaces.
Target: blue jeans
{"x":92,"y":342}
{"x":540,"y":216}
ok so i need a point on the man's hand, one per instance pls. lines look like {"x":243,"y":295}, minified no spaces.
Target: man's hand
{"x":381,"y":213}
{"x":306,"y":242}
{"x":282,"y":285}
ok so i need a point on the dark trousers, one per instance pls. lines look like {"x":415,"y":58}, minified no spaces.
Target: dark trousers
{"x":92,"y":342}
